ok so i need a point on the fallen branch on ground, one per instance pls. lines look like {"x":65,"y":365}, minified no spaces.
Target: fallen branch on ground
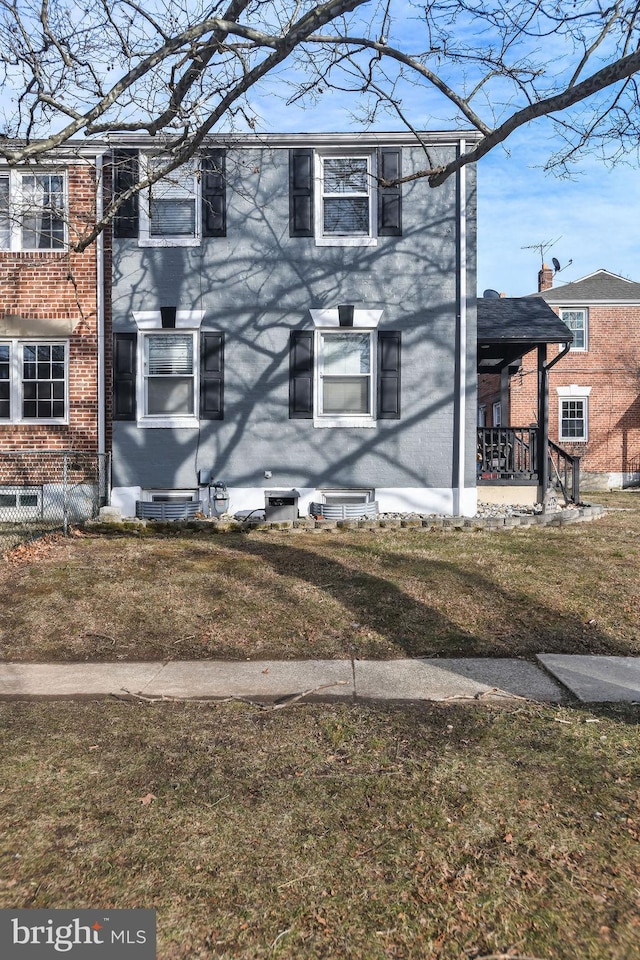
{"x":279,"y":705}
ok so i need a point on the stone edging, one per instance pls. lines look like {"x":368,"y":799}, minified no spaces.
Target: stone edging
{"x":559,"y":518}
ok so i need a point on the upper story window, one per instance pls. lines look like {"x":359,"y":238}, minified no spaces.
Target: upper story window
{"x":33,"y":209}
{"x":170,"y":207}
{"x":346,"y":197}
{"x":346,"y":211}
{"x":33,"y":381}
{"x":577,"y":321}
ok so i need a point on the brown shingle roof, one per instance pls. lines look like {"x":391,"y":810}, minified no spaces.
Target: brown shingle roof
{"x":598,"y":287}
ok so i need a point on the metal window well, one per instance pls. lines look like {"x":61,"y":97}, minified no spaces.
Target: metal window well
{"x":344,"y":511}
{"x":168,"y":510}
{"x":280,"y":505}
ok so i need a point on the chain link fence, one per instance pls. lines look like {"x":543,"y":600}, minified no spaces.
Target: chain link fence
{"x":42,"y":491}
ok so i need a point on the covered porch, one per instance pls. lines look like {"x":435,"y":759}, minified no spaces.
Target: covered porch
{"x":522,"y":456}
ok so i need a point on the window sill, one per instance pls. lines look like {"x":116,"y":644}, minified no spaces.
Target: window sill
{"x":34,"y":422}
{"x":191,"y":423}
{"x":360,"y":422}
{"x":169,"y":242}
{"x":27,"y":252}
{"x":346,"y":241}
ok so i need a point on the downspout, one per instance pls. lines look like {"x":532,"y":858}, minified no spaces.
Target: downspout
{"x":100,"y":312}
{"x":462,"y":334}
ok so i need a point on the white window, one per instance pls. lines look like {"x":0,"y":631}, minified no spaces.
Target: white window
{"x":20,"y":503}
{"x":496,"y":412}
{"x":33,"y":381}
{"x":573,"y":418}
{"x":577,"y":321}
{"x":169,"y":378}
{"x":344,"y":377}
{"x":33,"y":209}
{"x":345,"y":199}
{"x":169,"y":208}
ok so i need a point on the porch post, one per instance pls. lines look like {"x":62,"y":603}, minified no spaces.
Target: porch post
{"x":543,"y":423}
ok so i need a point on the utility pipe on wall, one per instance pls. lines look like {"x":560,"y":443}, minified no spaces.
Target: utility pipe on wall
{"x":458,"y":504}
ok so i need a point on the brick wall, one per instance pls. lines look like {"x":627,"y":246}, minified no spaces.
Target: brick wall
{"x":611,"y":367}
{"x":60,"y":286}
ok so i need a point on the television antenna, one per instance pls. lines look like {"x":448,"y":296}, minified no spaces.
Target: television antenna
{"x":543,"y":247}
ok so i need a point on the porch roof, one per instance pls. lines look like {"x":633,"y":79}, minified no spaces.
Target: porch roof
{"x":509,"y":327}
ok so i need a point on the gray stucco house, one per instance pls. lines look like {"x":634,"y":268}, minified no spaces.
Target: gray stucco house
{"x":288,"y":318}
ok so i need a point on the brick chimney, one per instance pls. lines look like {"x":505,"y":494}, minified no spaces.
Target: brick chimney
{"x":545,"y":278}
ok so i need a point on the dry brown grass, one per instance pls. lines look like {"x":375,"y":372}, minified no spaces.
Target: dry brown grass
{"x":379,"y":594}
{"x":433,"y":832}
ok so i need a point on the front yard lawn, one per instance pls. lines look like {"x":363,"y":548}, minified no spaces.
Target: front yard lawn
{"x":290,"y":595}
{"x":436,"y":831}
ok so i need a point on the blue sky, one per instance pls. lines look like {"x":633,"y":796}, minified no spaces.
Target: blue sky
{"x":593,"y":217}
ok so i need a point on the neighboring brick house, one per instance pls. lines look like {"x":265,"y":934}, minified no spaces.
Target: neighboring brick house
{"x":594,"y":391}
{"x":51,"y":373}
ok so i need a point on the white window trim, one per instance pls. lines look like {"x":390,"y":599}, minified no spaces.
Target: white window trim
{"x":333,"y":241}
{"x":144,"y":235}
{"x":14,"y":175}
{"x":585,"y":312}
{"x":353,"y":494}
{"x":574,"y":392}
{"x":344,"y":419}
{"x":151,"y":421}
{"x":16,"y":382}
{"x":169,"y":495}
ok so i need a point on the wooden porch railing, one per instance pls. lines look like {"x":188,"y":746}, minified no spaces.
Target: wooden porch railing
{"x":511,"y":454}
{"x":507,"y":453}
{"x":564,"y":469}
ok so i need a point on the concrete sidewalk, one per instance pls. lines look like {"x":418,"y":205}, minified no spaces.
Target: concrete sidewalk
{"x":554,"y":679}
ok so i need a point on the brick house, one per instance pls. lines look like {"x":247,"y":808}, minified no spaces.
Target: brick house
{"x":51,"y":373}
{"x":594,"y":391}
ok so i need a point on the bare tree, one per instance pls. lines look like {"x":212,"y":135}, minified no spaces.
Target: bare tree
{"x":182,"y":69}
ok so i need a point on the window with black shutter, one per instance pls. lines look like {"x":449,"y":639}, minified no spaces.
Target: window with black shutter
{"x":301,"y":193}
{"x":124,"y":376}
{"x":214,"y":194}
{"x":301,"y":375}
{"x":389,"y":359}
{"x":212,"y":376}
{"x":125,"y":167}
{"x":389,"y":195}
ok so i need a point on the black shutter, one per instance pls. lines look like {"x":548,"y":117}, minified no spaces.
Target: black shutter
{"x":125,"y":176}
{"x":301,"y":193}
{"x":212,"y":376}
{"x":124,"y":376}
{"x":389,"y":198}
{"x":214,"y":194}
{"x":388,"y":375}
{"x":301,"y":375}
